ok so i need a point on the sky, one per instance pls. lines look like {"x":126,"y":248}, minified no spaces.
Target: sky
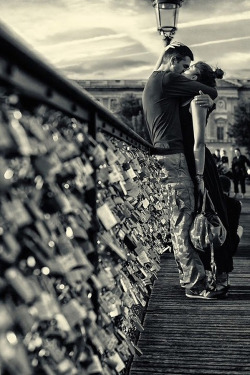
{"x":118,"y":39}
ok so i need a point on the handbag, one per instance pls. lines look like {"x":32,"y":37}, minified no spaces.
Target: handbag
{"x":207,"y":230}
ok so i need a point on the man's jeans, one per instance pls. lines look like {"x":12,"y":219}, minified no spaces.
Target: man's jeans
{"x":179,"y":194}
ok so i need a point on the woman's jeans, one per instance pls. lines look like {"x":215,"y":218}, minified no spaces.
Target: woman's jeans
{"x":179,"y":194}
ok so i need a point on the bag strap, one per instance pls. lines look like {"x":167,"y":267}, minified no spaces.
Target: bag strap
{"x":203,"y":208}
{"x":212,"y":262}
{"x":211,"y":202}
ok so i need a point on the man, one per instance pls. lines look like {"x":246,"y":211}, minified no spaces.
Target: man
{"x":239,"y":171}
{"x":164,"y":91}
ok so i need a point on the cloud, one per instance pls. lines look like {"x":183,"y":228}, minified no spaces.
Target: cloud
{"x":221,"y":19}
{"x":239,"y":74}
{"x":97,"y":50}
{"x":236,"y":17}
{"x":114,"y":69}
{"x":214,"y":5}
{"x":119,"y":60}
{"x":238,"y":59}
{"x":219,"y":41}
{"x":89,"y":36}
{"x":92,"y":47}
{"x":77,"y":34}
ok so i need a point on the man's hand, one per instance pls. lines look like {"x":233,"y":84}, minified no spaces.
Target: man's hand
{"x":203,"y":100}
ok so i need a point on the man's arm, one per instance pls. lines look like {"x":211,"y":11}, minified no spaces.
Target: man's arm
{"x":204,"y":100}
{"x":171,"y":45}
{"x":176,"y":85}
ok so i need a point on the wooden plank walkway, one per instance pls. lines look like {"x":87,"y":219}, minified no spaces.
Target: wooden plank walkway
{"x":185,"y":336}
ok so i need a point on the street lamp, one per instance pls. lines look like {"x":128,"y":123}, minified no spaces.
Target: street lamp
{"x":166,"y":12}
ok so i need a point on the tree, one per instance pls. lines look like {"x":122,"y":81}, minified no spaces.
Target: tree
{"x":240,"y":130}
{"x":129,"y":110}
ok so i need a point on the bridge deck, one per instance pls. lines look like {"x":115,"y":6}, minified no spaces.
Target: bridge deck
{"x":184,"y":336}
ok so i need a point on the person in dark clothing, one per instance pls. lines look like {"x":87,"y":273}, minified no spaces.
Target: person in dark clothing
{"x":224,"y":157}
{"x":233,"y":212}
{"x":164,"y":91}
{"x":223,"y":166}
{"x":194,"y":137}
{"x":239,"y":171}
{"x":216,"y":156}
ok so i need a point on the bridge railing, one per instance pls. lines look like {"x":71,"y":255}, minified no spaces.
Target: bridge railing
{"x":83,"y":223}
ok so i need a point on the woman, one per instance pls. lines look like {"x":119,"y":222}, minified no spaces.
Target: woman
{"x":239,"y":171}
{"x":203,"y":169}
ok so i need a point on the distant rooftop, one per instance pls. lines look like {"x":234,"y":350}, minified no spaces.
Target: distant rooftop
{"x":140,"y":83}
{"x":111,"y":83}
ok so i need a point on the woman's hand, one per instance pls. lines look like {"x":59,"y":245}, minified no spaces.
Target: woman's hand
{"x":200,"y":185}
{"x":173,"y":45}
{"x":200,"y":190}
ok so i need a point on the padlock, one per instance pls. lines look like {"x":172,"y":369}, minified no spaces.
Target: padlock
{"x":15,"y":213}
{"x":13,"y":355}
{"x":74,"y":312}
{"x":10,"y":249}
{"x":98,"y":154}
{"x":95,"y":366}
{"x":106,"y":216}
{"x":47,"y":166}
{"x":6,"y":175}
{"x":24,"y":318}
{"x":18,"y":133}
{"x":32,"y":125}
{"x":6,"y":318}
{"x":115,"y":357}
{"x":21,"y":284}
{"x":7,"y":143}
{"x":66,"y":150}
{"x":46,"y":307}
{"x":107,"y":239}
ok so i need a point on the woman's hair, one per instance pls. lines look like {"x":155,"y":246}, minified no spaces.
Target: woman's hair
{"x":207,"y":74}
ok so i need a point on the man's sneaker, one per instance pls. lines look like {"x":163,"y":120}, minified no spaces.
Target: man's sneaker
{"x":205,"y":294}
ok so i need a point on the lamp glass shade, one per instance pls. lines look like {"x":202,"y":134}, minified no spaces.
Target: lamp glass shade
{"x":166,"y":15}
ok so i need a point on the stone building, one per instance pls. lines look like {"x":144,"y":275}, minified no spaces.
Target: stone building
{"x":230,"y":91}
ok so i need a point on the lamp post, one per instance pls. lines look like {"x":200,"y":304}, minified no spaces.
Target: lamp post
{"x":166,"y":12}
